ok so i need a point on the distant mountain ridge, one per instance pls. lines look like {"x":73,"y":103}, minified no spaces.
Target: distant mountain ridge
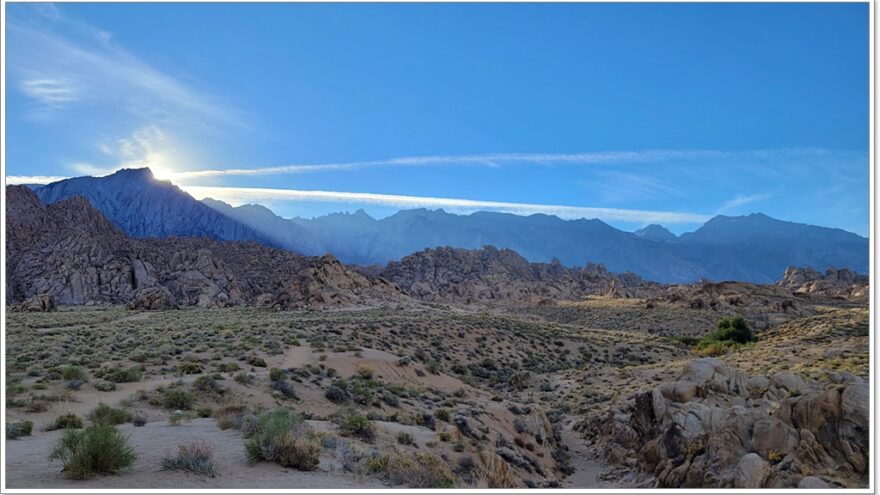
{"x":752,"y":248}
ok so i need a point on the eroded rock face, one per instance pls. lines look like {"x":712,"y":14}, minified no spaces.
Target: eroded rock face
{"x":717,"y":427}
{"x":836,"y":283}
{"x":326,"y":283}
{"x":501,"y":275}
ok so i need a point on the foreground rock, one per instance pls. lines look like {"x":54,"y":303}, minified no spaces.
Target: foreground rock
{"x":718,"y":427}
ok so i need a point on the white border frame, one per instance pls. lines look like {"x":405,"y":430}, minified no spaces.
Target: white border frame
{"x":872,"y":7}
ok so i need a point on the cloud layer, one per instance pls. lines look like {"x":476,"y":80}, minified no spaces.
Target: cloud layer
{"x":241,"y":195}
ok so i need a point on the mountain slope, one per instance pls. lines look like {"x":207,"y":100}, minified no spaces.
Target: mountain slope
{"x":145,"y":207}
{"x":759,"y":248}
{"x":655,"y":232}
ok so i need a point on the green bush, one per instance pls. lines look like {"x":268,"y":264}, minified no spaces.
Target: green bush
{"x":176,"y":398}
{"x":99,"y":449}
{"x":282,"y":437}
{"x":126,"y":375}
{"x":735,"y":329}
{"x":74,"y":373}
{"x":64,"y":421}
{"x":19,"y":429}
{"x":351,"y":423}
{"x":731,"y":334}
{"x":106,"y":415}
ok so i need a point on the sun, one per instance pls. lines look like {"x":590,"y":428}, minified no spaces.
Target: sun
{"x":161,"y":172}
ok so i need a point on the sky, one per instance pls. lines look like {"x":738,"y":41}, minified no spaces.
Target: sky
{"x":631,"y":113}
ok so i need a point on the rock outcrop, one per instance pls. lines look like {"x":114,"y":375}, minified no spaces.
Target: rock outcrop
{"x":719,"y":427}
{"x":500,"y":275}
{"x":836,"y":283}
{"x":327,"y":283}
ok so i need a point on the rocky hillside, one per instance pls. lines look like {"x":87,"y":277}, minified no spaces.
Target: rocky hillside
{"x":492,"y":275}
{"x":69,"y":251}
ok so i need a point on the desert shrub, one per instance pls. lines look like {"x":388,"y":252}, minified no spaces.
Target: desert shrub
{"x":106,"y":415}
{"x":120,"y":375}
{"x":351,"y":456}
{"x":230,"y":417}
{"x":204,"y":412}
{"x":244,"y":378}
{"x":74,"y":373}
{"x":19,"y":429}
{"x":351,"y":423}
{"x":105,"y":386}
{"x":277,"y":374}
{"x":336,"y":394}
{"x":176,"y":398}
{"x":285,"y":388}
{"x":228,"y":367}
{"x":732,"y":333}
{"x":138,"y":418}
{"x":98,"y":449}
{"x":196,"y":456}
{"x":207,"y":383}
{"x":422,"y":470}
{"x":189,"y":368}
{"x":364,"y":372}
{"x":256,"y":361}
{"x":69,"y":420}
{"x":735,"y":329}
{"x":282,"y":437}
{"x":404,"y":438}
{"x":442,"y":414}
{"x":685,"y":339}
{"x":74,"y":384}
{"x":178,"y":417}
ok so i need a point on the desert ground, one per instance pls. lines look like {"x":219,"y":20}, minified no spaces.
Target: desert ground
{"x":528,"y":395}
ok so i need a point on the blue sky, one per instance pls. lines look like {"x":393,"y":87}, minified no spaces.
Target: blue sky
{"x":632,"y":113}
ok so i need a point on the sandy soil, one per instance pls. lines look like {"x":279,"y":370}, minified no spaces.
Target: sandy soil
{"x":88,"y":398}
{"x":28,"y":464}
{"x":587,"y":469}
{"x":383,"y":364}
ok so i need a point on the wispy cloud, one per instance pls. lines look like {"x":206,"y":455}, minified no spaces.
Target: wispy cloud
{"x":699,"y":159}
{"x":742,"y":200}
{"x":242,"y":195}
{"x":57,"y":61}
{"x":54,"y":93}
{"x":33,"y":179}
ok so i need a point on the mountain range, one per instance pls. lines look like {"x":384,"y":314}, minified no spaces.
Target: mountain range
{"x":753,"y":248}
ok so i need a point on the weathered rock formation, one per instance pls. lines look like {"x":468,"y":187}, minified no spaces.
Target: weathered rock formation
{"x":839,"y":284}
{"x":719,"y":427}
{"x":501,"y":275}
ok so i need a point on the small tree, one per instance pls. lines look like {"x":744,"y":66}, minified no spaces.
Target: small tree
{"x":735,"y":329}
